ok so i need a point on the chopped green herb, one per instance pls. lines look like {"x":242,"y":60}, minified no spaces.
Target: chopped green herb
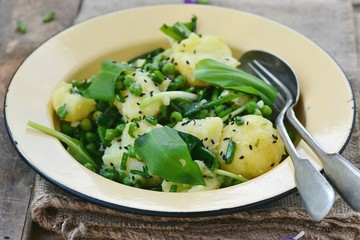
{"x":61,"y":112}
{"x":21,"y":26}
{"x":48,"y":17}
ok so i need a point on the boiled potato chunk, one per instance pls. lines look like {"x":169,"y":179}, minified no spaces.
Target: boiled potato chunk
{"x":208,"y":130}
{"x":131,"y":107}
{"x":195,"y":48}
{"x":77,"y":107}
{"x":259,"y":147}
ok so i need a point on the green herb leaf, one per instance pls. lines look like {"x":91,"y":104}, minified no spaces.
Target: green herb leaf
{"x":61,"y":112}
{"x":198,"y":151}
{"x":75,"y":147}
{"x":48,"y":17}
{"x":211,"y":71}
{"x":166,"y":155}
{"x":180,"y":31}
{"x":21,"y":26}
{"x":102,"y":85}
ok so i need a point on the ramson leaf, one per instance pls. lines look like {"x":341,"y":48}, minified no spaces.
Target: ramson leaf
{"x":211,"y":71}
{"x":102,"y":85}
{"x":166,"y":155}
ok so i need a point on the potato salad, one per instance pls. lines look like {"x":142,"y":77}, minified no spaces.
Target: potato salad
{"x":180,"y":119}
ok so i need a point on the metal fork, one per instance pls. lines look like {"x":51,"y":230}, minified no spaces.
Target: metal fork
{"x":315,"y":191}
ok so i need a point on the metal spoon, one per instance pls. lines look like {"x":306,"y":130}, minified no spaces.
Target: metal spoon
{"x":317,"y":194}
{"x":344,"y":176}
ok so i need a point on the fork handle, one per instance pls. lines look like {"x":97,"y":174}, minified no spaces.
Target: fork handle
{"x":344,"y":176}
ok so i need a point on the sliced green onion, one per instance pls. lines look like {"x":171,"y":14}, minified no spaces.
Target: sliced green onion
{"x":124,"y":159}
{"x":230,"y":152}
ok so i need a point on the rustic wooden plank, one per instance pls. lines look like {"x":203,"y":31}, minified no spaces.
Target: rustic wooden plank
{"x":16,"y":178}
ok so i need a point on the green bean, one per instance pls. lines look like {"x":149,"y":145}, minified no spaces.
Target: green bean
{"x":132,"y":129}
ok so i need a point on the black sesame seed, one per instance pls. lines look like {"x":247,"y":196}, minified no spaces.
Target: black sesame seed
{"x":273,"y":164}
{"x":138,"y":103}
{"x":145,"y":80}
{"x":250,"y":147}
{"x":134,"y":74}
{"x":247,"y":122}
{"x":126,"y":147}
{"x":227,"y":138}
{"x":111,"y":164}
{"x":274,"y":141}
{"x":223,"y":157}
{"x":241,"y":157}
{"x":205,"y":139}
{"x":151,"y":93}
{"x":187,"y":62}
{"x":221,"y":153}
{"x":140,"y":112}
{"x":126,"y":96}
{"x":212,"y":141}
{"x":142,"y":94}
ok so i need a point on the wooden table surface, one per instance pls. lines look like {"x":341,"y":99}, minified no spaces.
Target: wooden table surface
{"x":16,"y":177}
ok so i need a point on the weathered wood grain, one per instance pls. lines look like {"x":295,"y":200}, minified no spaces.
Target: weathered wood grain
{"x":16,"y":178}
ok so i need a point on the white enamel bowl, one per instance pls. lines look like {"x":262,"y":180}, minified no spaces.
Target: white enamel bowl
{"x":77,"y":52}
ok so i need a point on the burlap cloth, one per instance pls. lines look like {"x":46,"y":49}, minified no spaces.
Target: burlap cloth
{"x":327,"y":22}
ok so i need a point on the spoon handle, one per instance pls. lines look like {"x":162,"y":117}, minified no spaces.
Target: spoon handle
{"x":344,"y":176}
{"x":315,"y":191}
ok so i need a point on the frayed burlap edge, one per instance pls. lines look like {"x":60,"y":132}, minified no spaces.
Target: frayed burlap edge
{"x":74,"y":218}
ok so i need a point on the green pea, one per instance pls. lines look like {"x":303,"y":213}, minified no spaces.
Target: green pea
{"x":251,"y":107}
{"x":120,"y":127}
{"x":176,"y":116}
{"x":137,"y":183}
{"x":86,"y":124}
{"x":90,"y":167}
{"x":90,"y":137}
{"x":110,"y":134}
{"x":111,"y":174}
{"x":168,"y":68}
{"x":127,"y":181}
{"x":91,"y":147}
{"x":266,"y":110}
{"x":128,"y":80}
{"x":157,"y":77}
{"x":135,"y":89}
{"x":239,"y":121}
